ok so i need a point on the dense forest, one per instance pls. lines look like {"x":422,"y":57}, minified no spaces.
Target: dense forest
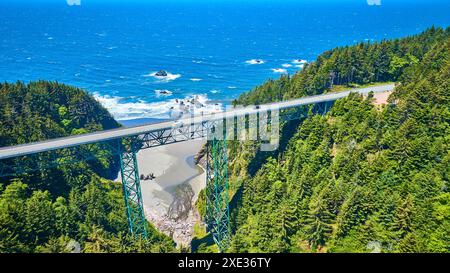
{"x":71,"y":207}
{"x":355,"y":65}
{"x":362,"y":177}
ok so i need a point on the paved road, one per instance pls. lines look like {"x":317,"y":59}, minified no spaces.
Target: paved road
{"x":66,"y":142}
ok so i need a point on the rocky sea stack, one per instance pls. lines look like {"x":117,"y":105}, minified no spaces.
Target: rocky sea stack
{"x":161,"y":73}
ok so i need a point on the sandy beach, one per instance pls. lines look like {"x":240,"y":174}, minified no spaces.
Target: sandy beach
{"x":169,"y":198}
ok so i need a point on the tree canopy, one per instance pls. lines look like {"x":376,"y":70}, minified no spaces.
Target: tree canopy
{"x":360,"y":178}
{"x":71,"y":207}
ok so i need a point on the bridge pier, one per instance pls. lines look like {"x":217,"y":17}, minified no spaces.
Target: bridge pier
{"x":68,"y":150}
{"x":323,"y":108}
{"x":132,"y":187}
{"x":217,"y":193}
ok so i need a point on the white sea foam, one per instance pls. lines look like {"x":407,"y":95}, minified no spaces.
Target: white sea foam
{"x":279,"y":70}
{"x":168,"y":78}
{"x":214,"y":91}
{"x":298,"y":61}
{"x":163,"y":92}
{"x":121,"y":109}
{"x":300,"y":65}
{"x":255,"y":61}
{"x":195,"y":79}
{"x":231,"y":87}
{"x":286,"y":65}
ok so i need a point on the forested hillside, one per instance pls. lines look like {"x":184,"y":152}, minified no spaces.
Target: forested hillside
{"x":360,"y":178}
{"x":360,"y":64}
{"x":71,"y":207}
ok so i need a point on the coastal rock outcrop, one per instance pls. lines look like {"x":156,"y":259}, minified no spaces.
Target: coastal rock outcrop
{"x":161,"y":73}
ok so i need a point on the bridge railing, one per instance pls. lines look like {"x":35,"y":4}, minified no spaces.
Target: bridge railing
{"x":261,"y":124}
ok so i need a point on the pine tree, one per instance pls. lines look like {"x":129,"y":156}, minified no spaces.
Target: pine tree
{"x":319,"y":222}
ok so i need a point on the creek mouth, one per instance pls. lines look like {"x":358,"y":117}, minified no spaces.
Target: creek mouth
{"x":169,"y":199}
{"x":182,"y":203}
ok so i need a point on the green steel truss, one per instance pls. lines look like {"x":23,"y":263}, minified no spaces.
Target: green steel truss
{"x":89,"y":152}
{"x":132,"y":188}
{"x":217,"y":188}
{"x":217,"y":193}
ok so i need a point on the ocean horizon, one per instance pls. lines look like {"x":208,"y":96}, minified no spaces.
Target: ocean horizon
{"x":210,"y":52}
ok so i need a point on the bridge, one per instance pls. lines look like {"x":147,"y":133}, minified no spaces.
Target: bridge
{"x":247,"y":123}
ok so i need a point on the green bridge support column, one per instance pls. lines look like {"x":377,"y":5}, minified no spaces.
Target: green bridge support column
{"x":217,"y":193}
{"x":132,"y":188}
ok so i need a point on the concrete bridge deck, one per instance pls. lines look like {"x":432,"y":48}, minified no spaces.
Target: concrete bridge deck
{"x":72,"y":141}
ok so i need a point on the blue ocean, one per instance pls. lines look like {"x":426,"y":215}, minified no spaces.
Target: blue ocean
{"x":209,"y":50}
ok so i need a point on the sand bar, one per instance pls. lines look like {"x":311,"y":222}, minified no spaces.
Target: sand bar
{"x":169,"y":198}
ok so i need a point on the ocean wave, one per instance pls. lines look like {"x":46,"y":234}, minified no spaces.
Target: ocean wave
{"x":255,"y":61}
{"x":163,"y":92}
{"x":123,"y":109}
{"x":168,"y":78}
{"x":299,"y":61}
{"x":286,"y":65}
{"x":195,"y":79}
{"x":279,"y":70}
